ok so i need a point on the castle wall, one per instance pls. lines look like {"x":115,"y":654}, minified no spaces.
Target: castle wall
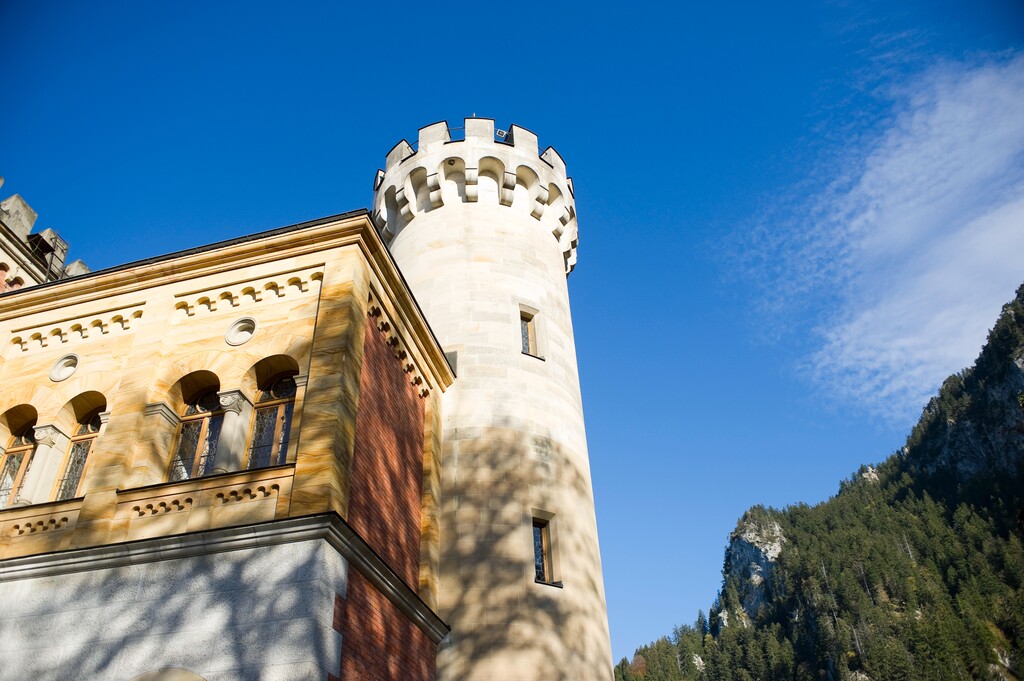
{"x":131,"y":342}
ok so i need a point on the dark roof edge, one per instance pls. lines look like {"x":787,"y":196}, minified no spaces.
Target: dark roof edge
{"x":198,"y":249}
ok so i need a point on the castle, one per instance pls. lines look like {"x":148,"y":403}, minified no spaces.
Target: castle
{"x":351,"y":448}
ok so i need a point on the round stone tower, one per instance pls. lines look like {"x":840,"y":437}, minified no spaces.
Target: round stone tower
{"x":484,"y":230}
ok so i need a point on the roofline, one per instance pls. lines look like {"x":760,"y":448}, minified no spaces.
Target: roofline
{"x":266,"y":234}
{"x":201,"y":249}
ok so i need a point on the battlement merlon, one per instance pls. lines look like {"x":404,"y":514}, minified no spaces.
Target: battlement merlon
{"x":476,"y":169}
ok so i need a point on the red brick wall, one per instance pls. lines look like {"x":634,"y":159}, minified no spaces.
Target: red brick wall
{"x":378,"y":642}
{"x":387,"y":466}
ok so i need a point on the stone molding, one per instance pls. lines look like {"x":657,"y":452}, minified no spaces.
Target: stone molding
{"x":76,"y":328}
{"x":249,"y":291}
{"x":328,"y":527}
{"x":162,"y":409}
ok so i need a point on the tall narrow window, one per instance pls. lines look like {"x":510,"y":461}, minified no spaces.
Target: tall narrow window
{"x":78,"y":454}
{"x":542,"y":551}
{"x":196,"y":453}
{"x":14,"y":464}
{"x":528,"y":331}
{"x":272,"y":424}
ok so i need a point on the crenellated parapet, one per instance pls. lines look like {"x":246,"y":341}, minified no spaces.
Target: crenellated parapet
{"x":479,"y":168}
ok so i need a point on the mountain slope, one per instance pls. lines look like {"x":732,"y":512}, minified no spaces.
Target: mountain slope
{"x":914,"y":570}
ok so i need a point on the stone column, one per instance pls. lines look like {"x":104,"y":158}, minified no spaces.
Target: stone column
{"x":51,"y":446}
{"x":234,"y":433}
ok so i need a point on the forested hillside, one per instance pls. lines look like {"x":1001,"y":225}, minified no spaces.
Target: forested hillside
{"x":914,"y":570}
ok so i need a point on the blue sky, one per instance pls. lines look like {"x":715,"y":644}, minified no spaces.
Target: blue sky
{"x":795,"y":219}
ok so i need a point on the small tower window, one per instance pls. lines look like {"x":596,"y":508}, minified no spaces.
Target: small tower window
{"x":78,"y":454}
{"x":14,"y":464}
{"x":542,"y":551}
{"x":272,"y":424}
{"x":528,"y":332}
{"x":198,"y":436}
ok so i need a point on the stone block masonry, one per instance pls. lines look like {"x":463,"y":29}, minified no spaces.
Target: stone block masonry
{"x":254,"y":613}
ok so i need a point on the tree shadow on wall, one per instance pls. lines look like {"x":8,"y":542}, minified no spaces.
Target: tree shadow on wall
{"x":223,"y":615}
{"x":504,"y":624}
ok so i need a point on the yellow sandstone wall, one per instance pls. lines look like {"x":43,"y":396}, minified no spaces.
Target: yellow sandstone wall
{"x":136,"y":331}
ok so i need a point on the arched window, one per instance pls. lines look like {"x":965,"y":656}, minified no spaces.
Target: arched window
{"x":78,"y":454}
{"x":14,"y":463}
{"x":198,"y":435}
{"x":268,"y":445}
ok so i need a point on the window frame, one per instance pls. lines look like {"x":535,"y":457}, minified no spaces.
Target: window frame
{"x":545,"y":522}
{"x":78,"y":437}
{"x":199,"y":464}
{"x":19,"y":477}
{"x":542,"y":573}
{"x":530,"y":341}
{"x":283,"y":419}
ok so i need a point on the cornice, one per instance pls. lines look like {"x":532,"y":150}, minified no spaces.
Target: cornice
{"x":328,"y":527}
{"x":427,"y":349}
{"x":164,"y":410}
{"x":349,"y":229}
{"x":299,"y":240}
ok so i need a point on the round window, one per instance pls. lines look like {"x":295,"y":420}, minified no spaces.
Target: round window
{"x":63,"y":368}
{"x":241,"y":331}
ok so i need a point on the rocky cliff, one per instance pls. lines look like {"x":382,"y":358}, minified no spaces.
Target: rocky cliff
{"x":754,"y":546}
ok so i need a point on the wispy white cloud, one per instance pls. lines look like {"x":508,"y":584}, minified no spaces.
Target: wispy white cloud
{"x":903,"y":260}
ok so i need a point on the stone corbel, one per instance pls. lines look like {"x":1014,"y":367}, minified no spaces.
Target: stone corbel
{"x":507,"y":191}
{"x":404,"y":209}
{"x":472,"y":184}
{"x":541,"y":202}
{"x":434,"y":186}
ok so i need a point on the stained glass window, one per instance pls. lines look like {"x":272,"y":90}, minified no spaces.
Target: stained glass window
{"x":198,"y":436}
{"x":14,"y":464}
{"x":78,"y":454}
{"x":528,"y":332}
{"x":268,"y":445}
{"x":541,"y":551}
